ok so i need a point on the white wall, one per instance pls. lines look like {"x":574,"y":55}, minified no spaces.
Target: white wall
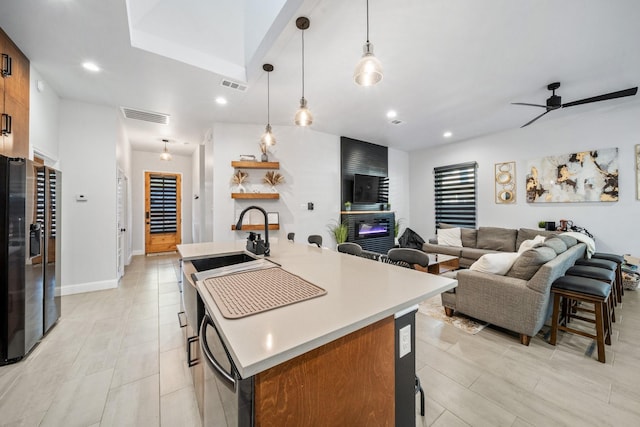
{"x":88,"y":135}
{"x":150,"y":162}
{"x":614,"y":225}
{"x":310,"y":163}
{"x":399,"y":186}
{"x":44,"y":113}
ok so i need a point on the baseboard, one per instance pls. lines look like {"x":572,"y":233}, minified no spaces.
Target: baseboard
{"x":88,"y":287}
{"x":137,"y":252}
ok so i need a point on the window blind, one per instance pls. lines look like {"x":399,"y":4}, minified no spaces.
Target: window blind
{"x":162,"y":206}
{"x":455,"y":194}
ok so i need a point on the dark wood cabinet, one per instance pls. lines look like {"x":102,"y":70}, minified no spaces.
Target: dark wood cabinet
{"x":14,"y":100}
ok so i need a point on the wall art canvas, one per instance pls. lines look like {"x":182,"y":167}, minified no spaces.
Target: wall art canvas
{"x":638,"y":172}
{"x":586,"y":176}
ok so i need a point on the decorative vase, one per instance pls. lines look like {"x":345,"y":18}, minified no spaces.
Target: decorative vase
{"x":241,"y":189}
{"x":264,"y":157}
{"x":273,"y":189}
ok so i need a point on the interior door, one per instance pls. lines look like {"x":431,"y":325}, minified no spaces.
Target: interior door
{"x":163,"y":217}
{"x":122,"y":222}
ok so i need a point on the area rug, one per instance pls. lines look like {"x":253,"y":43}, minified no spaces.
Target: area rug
{"x":433,"y":308}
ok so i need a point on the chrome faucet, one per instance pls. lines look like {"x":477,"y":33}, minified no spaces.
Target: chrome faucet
{"x":254,"y":243}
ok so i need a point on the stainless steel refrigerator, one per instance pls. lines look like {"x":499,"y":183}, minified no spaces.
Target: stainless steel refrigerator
{"x":29,"y":255}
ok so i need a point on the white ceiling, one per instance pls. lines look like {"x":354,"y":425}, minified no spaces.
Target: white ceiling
{"x":449,"y":64}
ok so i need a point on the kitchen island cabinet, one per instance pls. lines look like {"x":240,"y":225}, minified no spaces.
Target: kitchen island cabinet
{"x":330,"y":359}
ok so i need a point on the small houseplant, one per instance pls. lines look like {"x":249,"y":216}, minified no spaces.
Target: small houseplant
{"x":339,"y":230}
{"x":347,"y":206}
{"x":542,"y":224}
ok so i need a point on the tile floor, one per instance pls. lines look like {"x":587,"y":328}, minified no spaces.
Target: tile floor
{"x":115,"y":358}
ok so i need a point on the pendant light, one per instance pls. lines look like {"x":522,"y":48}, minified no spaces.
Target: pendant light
{"x":303,"y":115}
{"x":369,"y":69}
{"x":165,"y":154}
{"x":267,"y":137}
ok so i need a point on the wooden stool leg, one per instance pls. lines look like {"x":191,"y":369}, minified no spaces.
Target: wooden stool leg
{"x":555,"y":319}
{"x":608,"y":319}
{"x":598,"y":306}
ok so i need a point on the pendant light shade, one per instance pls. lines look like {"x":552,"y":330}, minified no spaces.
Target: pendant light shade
{"x":303,"y":115}
{"x":267,"y":137}
{"x":165,"y":153}
{"x":369,"y":69}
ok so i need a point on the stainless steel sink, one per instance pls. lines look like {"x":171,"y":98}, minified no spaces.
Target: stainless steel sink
{"x":228,"y":264}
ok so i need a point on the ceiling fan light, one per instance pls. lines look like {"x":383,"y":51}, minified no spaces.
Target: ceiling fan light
{"x":303,"y":115}
{"x":368,"y":71}
{"x":267,"y":137}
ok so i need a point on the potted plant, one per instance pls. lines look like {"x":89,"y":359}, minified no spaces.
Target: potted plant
{"x":238,"y":179}
{"x":542,"y":224}
{"x":347,"y":206}
{"x":339,"y":230}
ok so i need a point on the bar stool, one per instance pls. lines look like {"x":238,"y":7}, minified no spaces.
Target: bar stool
{"x":609,"y":265}
{"x":583,"y":289}
{"x":618,"y":259}
{"x":602,"y":274}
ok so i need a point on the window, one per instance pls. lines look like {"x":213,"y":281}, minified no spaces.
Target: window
{"x":455,"y":194}
{"x":162,"y":207}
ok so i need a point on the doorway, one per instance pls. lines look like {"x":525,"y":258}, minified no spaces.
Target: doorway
{"x":122,"y":191}
{"x":163,"y":217}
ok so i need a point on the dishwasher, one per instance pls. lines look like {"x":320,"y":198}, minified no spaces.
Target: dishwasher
{"x":228,"y":397}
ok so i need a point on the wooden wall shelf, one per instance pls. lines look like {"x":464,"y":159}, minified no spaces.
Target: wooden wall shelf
{"x":257,"y":227}
{"x":255,"y":195}
{"x":364,"y":212}
{"x":255,"y":165}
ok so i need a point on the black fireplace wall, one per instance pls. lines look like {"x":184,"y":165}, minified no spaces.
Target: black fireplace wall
{"x":359,"y":157}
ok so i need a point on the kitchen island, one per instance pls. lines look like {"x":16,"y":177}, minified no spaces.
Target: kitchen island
{"x":335,"y":351}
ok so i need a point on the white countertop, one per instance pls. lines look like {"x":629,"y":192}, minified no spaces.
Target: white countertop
{"x":359,"y":292}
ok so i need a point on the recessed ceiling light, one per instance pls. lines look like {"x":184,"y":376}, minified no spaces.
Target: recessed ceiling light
{"x":391,"y":114}
{"x":447,"y":134}
{"x":90,"y":66}
{"x":220,"y":100}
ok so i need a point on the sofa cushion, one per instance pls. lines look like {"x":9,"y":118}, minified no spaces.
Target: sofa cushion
{"x":556,"y":244}
{"x":497,"y":263}
{"x":467,"y":235}
{"x":529,"y":262}
{"x":474,"y":254}
{"x":528,"y":244}
{"x":568,"y":240}
{"x":529,"y":233}
{"x":497,"y":239}
{"x":449,"y":237}
{"x":430,"y":248}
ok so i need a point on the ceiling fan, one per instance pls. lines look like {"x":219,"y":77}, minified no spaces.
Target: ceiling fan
{"x":554,"y":102}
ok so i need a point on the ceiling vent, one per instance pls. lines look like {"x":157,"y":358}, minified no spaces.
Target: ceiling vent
{"x":396,"y":122}
{"x":233,"y":85}
{"x":145,"y":116}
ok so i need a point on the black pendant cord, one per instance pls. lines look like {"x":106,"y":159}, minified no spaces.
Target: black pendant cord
{"x":367,"y":21}
{"x":302,"y":64}
{"x":268,"y":98}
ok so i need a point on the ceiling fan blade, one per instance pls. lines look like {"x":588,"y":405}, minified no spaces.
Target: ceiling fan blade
{"x":619,"y":94}
{"x":528,"y":123}
{"x":530,"y":105}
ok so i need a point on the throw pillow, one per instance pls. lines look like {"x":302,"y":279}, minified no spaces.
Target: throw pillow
{"x":556,"y":244}
{"x":568,"y":240}
{"x":529,"y":262}
{"x":531,"y":243}
{"x":498,"y":263}
{"x":467,"y":235}
{"x":449,"y":237}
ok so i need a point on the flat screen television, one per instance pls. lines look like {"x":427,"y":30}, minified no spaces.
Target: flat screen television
{"x":365,"y":188}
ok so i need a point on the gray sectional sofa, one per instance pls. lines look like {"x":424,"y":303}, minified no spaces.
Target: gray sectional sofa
{"x":476,"y":243}
{"x":519,"y":300}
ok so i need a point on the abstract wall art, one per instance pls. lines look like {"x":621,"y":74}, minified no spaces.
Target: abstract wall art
{"x":586,"y":176}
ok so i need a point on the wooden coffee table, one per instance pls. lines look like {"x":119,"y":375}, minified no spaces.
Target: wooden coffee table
{"x":439,"y":263}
